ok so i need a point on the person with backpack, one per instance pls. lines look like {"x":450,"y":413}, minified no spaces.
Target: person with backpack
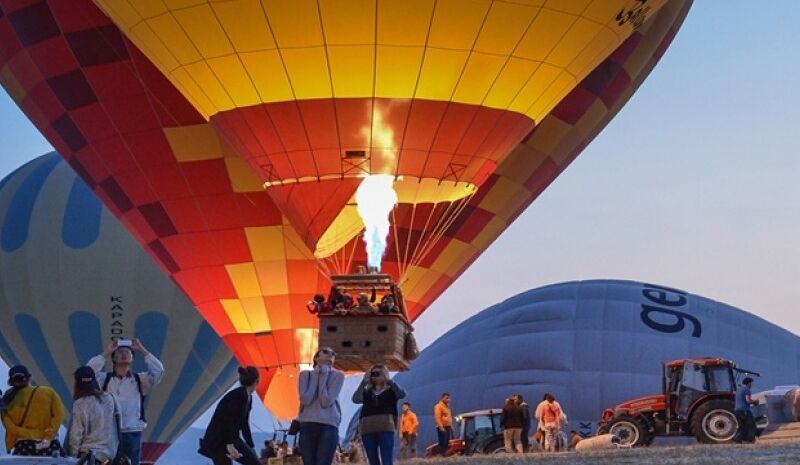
{"x":129,"y":389}
{"x":93,"y":426}
{"x":31,"y":416}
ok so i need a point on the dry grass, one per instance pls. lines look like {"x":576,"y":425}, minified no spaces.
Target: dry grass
{"x":773,"y":453}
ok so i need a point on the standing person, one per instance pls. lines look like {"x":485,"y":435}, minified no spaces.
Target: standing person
{"x":551,"y":419}
{"x":409,"y":429}
{"x":93,"y":427}
{"x":379,"y":396}
{"x":32,"y":416}
{"x":320,"y":413}
{"x":511,"y":420}
{"x":744,"y":415}
{"x":129,"y":390}
{"x":526,"y":422}
{"x":228,"y":435}
{"x":444,"y":423}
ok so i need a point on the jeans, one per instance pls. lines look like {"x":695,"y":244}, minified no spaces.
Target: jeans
{"x":526,"y":443}
{"x":379,"y":447}
{"x":249,"y":457}
{"x":444,"y":439}
{"x":408,"y":446}
{"x":130,"y":444}
{"x":318,"y":443}
{"x":747,"y":426}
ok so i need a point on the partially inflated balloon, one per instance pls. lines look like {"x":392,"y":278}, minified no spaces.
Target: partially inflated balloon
{"x":592,"y":344}
{"x":233,"y":153}
{"x":72,"y":279}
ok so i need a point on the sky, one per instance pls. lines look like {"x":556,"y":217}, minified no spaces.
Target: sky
{"x":693,"y":185}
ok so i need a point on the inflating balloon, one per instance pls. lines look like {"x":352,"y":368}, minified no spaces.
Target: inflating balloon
{"x":231,"y":137}
{"x":592,"y":344}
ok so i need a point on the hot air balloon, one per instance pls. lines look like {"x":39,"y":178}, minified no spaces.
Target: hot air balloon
{"x":593,"y":344}
{"x":230,"y":138}
{"x":73,"y":279}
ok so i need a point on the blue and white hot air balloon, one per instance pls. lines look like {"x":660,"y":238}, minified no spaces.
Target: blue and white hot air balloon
{"x":593,"y":344}
{"x":72,"y":279}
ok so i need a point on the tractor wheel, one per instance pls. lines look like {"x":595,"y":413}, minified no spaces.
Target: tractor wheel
{"x":494,"y":447}
{"x":714,"y":422}
{"x":631,"y":431}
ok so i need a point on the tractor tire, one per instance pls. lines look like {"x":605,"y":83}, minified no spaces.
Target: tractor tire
{"x":714,"y":422}
{"x":631,"y":431}
{"x":494,"y":447}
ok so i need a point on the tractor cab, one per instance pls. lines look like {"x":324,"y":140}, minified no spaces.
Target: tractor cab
{"x":697,"y":399}
{"x":480,"y":433}
{"x":364,"y":320}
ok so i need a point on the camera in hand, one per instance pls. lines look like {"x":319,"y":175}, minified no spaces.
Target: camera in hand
{"x":124,"y":343}
{"x":374,"y":374}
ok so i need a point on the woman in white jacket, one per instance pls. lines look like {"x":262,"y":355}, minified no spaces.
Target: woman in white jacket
{"x":93,"y":428}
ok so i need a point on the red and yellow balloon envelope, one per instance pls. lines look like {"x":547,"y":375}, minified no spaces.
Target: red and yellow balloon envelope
{"x":231,"y":137}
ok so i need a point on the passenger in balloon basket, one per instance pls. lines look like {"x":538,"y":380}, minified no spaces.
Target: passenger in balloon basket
{"x":31,"y":416}
{"x":366,"y":304}
{"x":267,"y":452}
{"x":93,"y":426}
{"x":318,"y":306}
{"x":130,"y":389}
{"x":378,"y":396}
{"x":744,"y":414}
{"x":444,"y":423}
{"x":511,"y":419}
{"x":228,"y":435}
{"x":526,"y":421}
{"x":388,"y":305}
{"x":320,"y":413}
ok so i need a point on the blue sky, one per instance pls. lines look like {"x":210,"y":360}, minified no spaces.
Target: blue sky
{"x":693,"y":185}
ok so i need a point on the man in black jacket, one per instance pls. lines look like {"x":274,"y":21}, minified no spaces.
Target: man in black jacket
{"x":228,"y":435}
{"x":526,"y":422}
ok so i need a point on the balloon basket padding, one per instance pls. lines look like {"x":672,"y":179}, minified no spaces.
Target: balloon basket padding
{"x":361,"y":341}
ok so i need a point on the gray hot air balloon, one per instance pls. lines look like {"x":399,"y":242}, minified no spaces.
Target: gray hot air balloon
{"x":593,"y":344}
{"x":72,"y":279}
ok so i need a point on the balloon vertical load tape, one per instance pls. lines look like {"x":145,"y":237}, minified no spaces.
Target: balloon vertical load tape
{"x":600,"y":442}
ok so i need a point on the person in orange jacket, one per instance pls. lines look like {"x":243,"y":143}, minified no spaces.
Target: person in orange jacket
{"x":444,"y":423}
{"x":409,"y":427}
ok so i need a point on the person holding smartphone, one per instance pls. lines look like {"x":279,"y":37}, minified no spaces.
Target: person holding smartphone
{"x":379,"y":396}
{"x":320,"y":413}
{"x":129,"y":389}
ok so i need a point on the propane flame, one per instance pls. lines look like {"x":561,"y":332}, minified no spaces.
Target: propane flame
{"x":375,"y":199}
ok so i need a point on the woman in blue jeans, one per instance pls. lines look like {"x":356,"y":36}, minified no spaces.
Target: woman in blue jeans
{"x":378,"y":423}
{"x":320,"y":413}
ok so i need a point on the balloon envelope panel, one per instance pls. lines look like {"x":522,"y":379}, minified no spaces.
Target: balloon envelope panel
{"x":593,"y":344}
{"x":73,"y":279}
{"x":245,"y":255}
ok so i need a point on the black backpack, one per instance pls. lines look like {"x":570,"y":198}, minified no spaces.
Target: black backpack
{"x":142,"y":397}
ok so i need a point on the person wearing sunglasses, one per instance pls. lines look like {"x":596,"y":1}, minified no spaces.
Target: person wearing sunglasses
{"x":320,"y":413}
{"x":378,"y":422}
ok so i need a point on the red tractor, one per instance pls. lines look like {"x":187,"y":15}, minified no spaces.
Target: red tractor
{"x":697,"y":400}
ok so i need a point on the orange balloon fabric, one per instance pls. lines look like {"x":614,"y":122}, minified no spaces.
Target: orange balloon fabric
{"x":218,"y":185}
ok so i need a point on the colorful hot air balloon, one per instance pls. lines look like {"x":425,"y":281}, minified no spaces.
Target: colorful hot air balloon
{"x":72,"y":279}
{"x":230,"y":137}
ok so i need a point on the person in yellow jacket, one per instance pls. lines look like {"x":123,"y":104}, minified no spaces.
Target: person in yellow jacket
{"x":444,"y":423}
{"x":32,"y":416}
{"x":409,"y":427}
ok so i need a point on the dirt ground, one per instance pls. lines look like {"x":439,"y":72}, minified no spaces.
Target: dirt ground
{"x":773,"y":453}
